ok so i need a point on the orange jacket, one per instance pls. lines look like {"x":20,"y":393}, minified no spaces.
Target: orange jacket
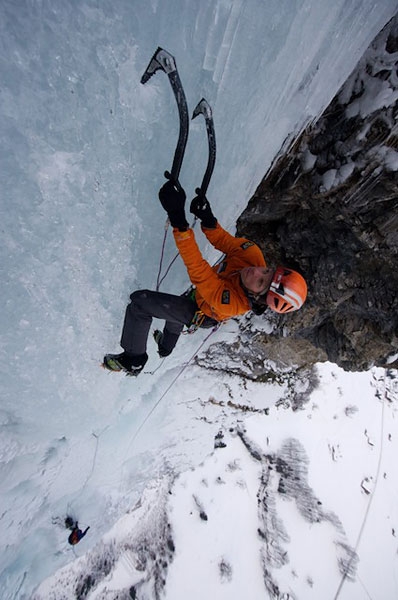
{"x":219,"y":292}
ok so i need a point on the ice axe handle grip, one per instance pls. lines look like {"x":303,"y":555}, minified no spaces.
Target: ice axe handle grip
{"x":175,"y":181}
{"x":202,"y":196}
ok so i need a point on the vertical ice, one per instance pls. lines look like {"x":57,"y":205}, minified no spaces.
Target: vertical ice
{"x":83,"y":150}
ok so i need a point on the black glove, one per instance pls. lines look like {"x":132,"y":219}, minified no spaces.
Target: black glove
{"x":200,"y":207}
{"x":172,"y":197}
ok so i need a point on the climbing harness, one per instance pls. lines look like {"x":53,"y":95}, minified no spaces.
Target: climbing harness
{"x":196,"y":322}
{"x":200,"y":319}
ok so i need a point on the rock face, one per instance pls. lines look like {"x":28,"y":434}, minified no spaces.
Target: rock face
{"x":329,"y":207}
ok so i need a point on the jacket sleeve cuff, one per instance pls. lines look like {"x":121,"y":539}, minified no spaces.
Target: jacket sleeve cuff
{"x":182,"y":235}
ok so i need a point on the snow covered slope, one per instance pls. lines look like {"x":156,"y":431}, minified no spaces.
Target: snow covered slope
{"x":83,"y":150}
{"x":287,"y":505}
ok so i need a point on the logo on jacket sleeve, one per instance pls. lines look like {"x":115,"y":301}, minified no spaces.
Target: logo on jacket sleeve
{"x":246,"y":245}
{"x":225,"y":297}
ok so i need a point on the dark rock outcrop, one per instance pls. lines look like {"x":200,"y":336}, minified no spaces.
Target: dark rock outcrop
{"x":329,"y":207}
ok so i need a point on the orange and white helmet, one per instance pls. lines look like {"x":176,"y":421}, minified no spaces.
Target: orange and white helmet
{"x":287,"y":292}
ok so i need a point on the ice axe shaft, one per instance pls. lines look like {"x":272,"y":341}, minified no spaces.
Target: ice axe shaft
{"x":203,"y":108}
{"x":164,"y":61}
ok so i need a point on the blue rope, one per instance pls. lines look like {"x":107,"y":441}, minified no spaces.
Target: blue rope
{"x":159,"y":280}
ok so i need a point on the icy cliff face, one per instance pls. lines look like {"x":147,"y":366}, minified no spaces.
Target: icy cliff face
{"x":330,"y":208}
{"x":84,"y":148}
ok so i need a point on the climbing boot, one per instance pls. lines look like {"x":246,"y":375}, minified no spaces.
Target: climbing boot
{"x":128,"y":363}
{"x":158,"y":337}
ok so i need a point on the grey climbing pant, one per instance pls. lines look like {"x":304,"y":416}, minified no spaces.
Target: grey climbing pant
{"x":177,"y":311}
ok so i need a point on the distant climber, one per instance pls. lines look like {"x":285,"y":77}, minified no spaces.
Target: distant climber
{"x":242,"y":282}
{"x":76,"y":534}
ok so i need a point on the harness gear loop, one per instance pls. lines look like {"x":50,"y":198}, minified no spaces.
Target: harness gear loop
{"x":199,"y":315}
{"x":199,"y":319}
{"x":196,"y":322}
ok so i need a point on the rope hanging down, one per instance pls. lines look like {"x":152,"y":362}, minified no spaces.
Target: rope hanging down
{"x":159,"y":279}
{"x":169,"y":387}
{"x":378,"y":468}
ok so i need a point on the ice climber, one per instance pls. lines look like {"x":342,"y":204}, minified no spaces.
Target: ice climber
{"x":242,"y":282}
{"x":76,"y":533}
